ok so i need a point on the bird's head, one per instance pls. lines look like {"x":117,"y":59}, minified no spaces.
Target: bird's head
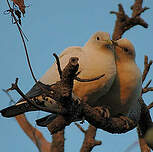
{"x":124,"y":49}
{"x":100,"y":40}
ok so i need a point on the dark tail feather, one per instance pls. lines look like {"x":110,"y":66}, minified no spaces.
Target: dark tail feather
{"x":43,"y":122}
{"x":17,"y":110}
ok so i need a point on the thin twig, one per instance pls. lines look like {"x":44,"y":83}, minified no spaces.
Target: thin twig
{"x":58,"y":65}
{"x":145,"y":90}
{"x":26,"y":51}
{"x":147,"y":85}
{"x":80,"y":127}
{"x":143,"y":146}
{"x":150,"y":105}
{"x":24,"y":44}
{"x":76,"y":78}
{"x":147,"y":65}
{"x":11,"y":99}
{"x":89,"y":80}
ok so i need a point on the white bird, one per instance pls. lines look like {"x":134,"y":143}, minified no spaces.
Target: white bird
{"x":95,"y":58}
{"x":122,"y":97}
{"x":126,"y":89}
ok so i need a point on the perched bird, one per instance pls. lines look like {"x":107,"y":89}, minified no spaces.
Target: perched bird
{"x":96,"y":57}
{"x":126,"y":91}
{"x":122,"y":97}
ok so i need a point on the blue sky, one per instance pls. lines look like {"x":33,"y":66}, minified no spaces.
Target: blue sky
{"x":51,"y":27}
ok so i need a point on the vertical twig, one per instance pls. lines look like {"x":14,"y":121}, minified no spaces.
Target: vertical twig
{"x":24,"y":44}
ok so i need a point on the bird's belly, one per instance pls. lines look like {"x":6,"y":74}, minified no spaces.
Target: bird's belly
{"x":123,"y":94}
{"x":114,"y":102}
{"x":91,"y":91}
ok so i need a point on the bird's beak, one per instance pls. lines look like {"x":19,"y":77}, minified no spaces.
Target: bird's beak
{"x":114,"y":43}
{"x":110,"y":44}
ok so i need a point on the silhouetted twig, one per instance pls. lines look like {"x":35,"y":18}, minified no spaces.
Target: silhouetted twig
{"x":124,"y":22}
{"x":24,"y":44}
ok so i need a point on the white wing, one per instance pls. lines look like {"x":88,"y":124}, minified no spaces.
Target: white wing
{"x":52,"y":75}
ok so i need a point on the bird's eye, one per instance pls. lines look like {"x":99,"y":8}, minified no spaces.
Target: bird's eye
{"x":97,"y":38}
{"x":126,"y":50}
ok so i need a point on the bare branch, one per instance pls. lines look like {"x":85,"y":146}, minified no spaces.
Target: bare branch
{"x":112,"y":124}
{"x":11,"y":99}
{"x":124,"y":22}
{"x":137,"y":7}
{"x":144,"y":124}
{"x":80,"y":127}
{"x":147,"y":85}
{"x":89,"y":80}
{"x":34,"y":134}
{"x":145,"y":90}
{"x":144,"y":147}
{"x":58,"y":64}
{"x":22,"y":37}
{"x":76,"y":78}
{"x":89,"y":140}
{"x":150,"y":105}
{"x":147,"y":65}
{"x":58,"y":142}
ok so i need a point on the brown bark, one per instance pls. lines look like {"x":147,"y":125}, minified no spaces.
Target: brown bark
{"x":144,"y":147}
{"x":89,"y":140}
{"x":38,"y":139}
{"x":58,"y":142}
{"x":34,"y":134}
{"x":123,"y":22}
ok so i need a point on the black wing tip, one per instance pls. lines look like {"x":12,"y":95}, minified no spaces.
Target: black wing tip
{"x":4,"y":113}
{"x":43,"y":122}
{"x":12,"y":111}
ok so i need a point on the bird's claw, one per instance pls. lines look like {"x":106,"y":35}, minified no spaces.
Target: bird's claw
{"x":126,"y":120}
{"x":104,"y":112}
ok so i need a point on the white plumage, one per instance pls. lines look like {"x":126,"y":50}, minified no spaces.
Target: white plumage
{"x":126,"y":89}
{"x":95,"y":58}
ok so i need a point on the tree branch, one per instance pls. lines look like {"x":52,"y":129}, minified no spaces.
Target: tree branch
{"x":22,"y":37}
{"x":37,"y":137}
{"x":58,"y":142}
{"x":34,"y":134}
{"x":80,"y":127}
{"x":89,"y":139}
{"x":123,"y":22}
{"x":147,"y":65}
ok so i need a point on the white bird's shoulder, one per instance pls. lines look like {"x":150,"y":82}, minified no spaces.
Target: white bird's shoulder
{"x":74,"y":50}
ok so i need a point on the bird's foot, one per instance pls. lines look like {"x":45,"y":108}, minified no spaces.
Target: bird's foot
{"x":104,"y":112}
{"x":126,"y":120}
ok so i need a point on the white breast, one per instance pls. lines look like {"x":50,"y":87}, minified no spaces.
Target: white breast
{"x":96,"y":64}
{"x":125,"y":90}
